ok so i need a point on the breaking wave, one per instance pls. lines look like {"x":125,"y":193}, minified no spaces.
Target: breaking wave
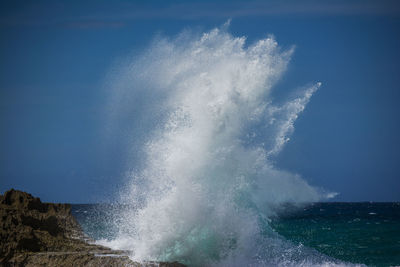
{"x":206,"y":130}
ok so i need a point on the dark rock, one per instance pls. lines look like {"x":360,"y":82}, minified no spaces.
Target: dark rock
{"x":33,"y":233}
{"x":28,"y":225}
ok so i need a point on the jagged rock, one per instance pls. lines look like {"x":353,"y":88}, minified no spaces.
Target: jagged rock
{"x":28,"y":225}
{"x":33,"y":233}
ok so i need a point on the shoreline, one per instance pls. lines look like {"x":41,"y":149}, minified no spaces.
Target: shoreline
{"x":34,"y":233}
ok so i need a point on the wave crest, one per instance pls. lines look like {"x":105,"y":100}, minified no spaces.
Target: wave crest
{"x":208,"y":183}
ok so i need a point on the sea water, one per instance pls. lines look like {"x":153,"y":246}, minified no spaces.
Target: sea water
{"x":204,"y":125}
{"x":363,"y":233}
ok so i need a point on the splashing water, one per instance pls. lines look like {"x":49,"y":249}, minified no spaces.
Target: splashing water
{"x":207,"y":185}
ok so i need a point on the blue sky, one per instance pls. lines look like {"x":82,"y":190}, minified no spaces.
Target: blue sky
{"x":56,"y":57}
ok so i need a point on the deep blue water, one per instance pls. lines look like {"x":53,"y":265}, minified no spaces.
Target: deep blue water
{"x":367,"y":233}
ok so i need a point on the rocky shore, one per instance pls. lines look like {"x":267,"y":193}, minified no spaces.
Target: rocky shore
{"x":33,"y":233}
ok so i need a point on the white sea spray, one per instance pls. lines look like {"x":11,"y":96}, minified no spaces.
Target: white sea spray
{"x":207,"y":185}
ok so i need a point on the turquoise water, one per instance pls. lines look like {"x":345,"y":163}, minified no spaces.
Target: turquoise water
{"x":367,"y":233}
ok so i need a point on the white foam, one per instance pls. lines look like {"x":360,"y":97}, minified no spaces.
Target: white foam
{"x":208,"y":181}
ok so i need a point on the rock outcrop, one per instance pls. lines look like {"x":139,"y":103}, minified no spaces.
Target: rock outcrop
{"x":33,"y":233}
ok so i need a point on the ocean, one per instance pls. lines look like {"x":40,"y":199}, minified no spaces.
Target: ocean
{"x":360,"y":233}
